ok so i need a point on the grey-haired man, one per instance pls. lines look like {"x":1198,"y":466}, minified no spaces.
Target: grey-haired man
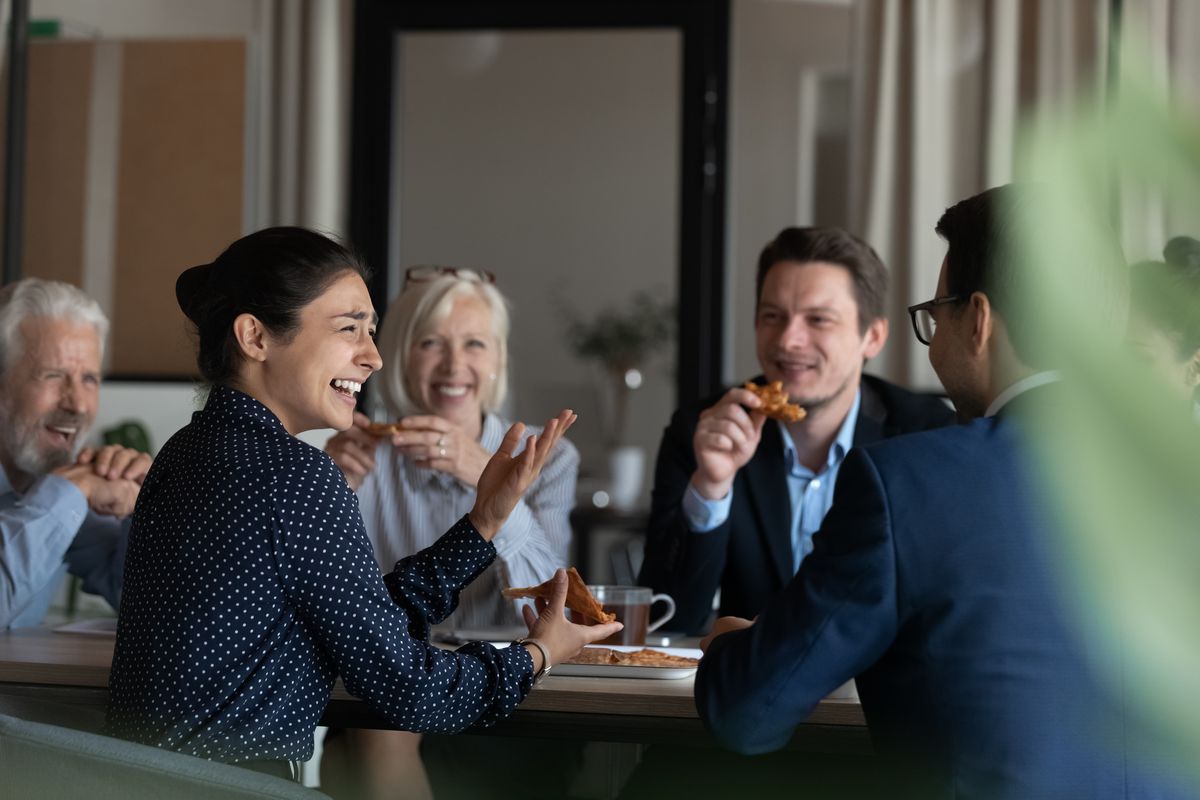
{"x":62,"y":507}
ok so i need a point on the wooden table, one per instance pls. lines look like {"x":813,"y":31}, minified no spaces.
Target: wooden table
{"x":73,"y":669}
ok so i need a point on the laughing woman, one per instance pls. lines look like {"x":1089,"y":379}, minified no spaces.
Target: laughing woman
{"x":250,"y":585}
{"x":444,"y":347}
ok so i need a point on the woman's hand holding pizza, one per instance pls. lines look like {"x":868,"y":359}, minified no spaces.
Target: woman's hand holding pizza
{"x":353,"y":450}
{"x":436,"y":443}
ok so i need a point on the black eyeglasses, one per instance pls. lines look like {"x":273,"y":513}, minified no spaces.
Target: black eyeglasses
{"x":922,"y":316}
{"x":428,"y":273}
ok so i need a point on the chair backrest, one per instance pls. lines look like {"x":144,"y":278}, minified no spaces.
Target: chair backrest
{"x":50,"y":761}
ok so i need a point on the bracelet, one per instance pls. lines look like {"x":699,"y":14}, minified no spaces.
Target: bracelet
{"x":545,"y":670}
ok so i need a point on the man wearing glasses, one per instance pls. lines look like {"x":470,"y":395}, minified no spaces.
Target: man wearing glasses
{"x":933,"y":582}
{"x":737,"y":497}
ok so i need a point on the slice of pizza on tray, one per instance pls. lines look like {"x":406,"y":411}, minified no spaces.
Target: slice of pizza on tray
{"x":646,"y":657}
{"x":579,"y":599}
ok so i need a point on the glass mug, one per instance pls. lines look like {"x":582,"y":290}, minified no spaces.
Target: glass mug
{"x":631,"y":604}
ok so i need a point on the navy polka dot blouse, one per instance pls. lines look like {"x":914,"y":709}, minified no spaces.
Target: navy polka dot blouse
{"x":250,"y":586}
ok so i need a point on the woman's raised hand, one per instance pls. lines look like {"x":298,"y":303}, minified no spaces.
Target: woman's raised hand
{"x":353,"y":450}
{"x":550,"y":626}
{"x":505,"y":478}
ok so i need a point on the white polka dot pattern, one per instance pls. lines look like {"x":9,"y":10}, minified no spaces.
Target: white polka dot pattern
{"x":250,"y":586}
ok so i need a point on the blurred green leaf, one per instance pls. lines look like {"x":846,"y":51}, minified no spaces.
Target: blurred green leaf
{"x":1122,"y":454}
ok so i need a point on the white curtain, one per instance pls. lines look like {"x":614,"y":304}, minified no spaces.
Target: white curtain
{"x":300,"y":162}
{"x":1167,"y":34}
{"x":940,"y":87}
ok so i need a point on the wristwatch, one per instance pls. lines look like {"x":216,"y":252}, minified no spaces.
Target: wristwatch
{"x":545,"y":670}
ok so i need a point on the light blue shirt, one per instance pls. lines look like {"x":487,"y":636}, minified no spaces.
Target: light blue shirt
{"x":811,"y":493}
{"x":43,"y":534}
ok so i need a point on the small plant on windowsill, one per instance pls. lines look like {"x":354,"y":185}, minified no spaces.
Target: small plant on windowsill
{"x":622,"y":340}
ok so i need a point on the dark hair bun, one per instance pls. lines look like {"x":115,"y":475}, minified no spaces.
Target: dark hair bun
{"x":272,"y":274}
{"x":1184,"y":252}
{"x":190,"y":289}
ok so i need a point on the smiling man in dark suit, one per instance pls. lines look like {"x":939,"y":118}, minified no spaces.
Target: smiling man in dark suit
{"x":936,"y":578}
{"x":737,"y":497}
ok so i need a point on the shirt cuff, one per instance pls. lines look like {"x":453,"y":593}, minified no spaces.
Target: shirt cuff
{"x":515,"y":531}
{"x":58,"y":497}
{"x":704,"y":515}
{"x":464,"y":535}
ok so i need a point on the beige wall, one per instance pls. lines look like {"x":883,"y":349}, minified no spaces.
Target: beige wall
{"x":134,"y":170}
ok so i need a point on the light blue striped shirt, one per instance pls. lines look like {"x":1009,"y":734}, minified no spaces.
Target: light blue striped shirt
{"x":811,"y":493}
{"x":405,"y":508}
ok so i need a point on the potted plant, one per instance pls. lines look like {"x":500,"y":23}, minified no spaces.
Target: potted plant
{"x":621,"y":341}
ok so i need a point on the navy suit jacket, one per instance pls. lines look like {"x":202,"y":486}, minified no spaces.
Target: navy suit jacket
{"x":933,"y":579}
{"x":749,"y":556}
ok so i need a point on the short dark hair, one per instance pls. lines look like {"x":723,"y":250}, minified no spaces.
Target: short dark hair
{"x":1168,"y":293}
{"x":834,"y":246}
{"x":983,"y":255}
{"x":272,"y":274}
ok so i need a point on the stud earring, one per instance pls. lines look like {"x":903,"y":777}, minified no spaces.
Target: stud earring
{"x":492,"y":377}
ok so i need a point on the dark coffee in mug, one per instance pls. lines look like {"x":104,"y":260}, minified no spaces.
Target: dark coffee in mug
{"x":631,"y":604}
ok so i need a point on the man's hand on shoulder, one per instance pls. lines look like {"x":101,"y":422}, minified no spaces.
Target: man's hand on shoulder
{"x":115,"y":462}
{"x":725,"y":440}
{"x":114,"y":498}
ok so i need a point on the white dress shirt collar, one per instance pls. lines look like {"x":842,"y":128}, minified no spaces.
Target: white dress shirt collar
{"x":1020,"y":387}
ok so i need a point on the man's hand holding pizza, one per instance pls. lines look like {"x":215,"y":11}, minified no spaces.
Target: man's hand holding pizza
{"x":725,"y":440}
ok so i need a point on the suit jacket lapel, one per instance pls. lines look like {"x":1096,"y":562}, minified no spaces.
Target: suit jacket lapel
{"x":767,"y":489}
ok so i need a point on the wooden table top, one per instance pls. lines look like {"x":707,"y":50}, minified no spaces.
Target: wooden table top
{"x":79,"y":664}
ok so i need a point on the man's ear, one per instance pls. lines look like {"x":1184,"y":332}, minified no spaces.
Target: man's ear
{"x":251,"y":337}
{"x":982,"y":321}
{"x":875,"y":337}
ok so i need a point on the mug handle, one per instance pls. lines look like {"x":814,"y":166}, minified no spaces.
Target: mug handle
{"x":658,"y":623}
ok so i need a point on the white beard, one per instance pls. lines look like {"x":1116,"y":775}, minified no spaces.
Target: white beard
{"x":20,"y":443}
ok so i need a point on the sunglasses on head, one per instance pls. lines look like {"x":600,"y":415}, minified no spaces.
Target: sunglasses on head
{"x":429,"y":273}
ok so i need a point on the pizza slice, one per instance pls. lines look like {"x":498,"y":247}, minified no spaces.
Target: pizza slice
{"x":657,"y":658}
{"x":605,"y":656}
{"x":579,"y":599}
{"x":593,"y":656}
{"x":775,"y":402}
{"x":383,"y":428}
